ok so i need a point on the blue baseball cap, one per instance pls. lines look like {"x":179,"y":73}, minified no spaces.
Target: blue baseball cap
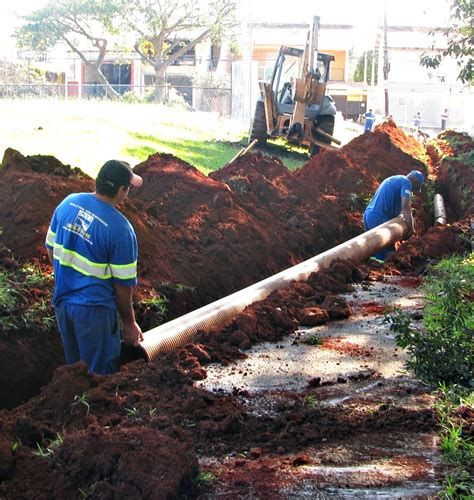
{"x":416,"y":174}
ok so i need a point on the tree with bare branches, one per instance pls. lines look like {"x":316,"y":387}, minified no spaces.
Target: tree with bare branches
{"x":166,"y":30}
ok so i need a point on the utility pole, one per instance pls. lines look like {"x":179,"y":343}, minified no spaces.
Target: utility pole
{"x":248,"y":109}
{"x":365,"y":68}
{"x":374,"y":59}
{"x":386,"y":64}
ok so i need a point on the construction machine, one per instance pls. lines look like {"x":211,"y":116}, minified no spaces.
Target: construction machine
{"x":293,"y":103}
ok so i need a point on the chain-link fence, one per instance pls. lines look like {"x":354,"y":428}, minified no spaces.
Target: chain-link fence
{"x":231,"y":92}
{"x":196,"y":98}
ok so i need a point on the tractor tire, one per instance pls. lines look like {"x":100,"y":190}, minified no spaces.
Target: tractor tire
{"x":258,"y":127}
{"x":326,"y":123}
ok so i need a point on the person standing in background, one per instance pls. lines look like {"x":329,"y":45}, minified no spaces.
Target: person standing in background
{"x":444,"y":119}
{"x":417,"y":120}
{"x":369,"y":120}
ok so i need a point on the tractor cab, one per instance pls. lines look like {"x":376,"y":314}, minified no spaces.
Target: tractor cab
{"x":284,"y":80}
{"x":293,"y":103}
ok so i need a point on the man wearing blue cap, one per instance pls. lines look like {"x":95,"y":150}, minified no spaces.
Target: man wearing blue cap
{"x":94,"y":251}
{"x":392,"y":198}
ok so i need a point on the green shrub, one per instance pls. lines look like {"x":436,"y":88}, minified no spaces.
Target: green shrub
{"x":25,"y":300}
{"x":454,"y":406}
{"x":468,"y":158}
{"x":131,"y":98}
{"x":444,"y":350}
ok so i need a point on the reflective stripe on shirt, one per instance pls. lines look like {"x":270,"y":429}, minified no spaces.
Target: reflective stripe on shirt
{"x":98,"y":270}
{"x":50,"y":236}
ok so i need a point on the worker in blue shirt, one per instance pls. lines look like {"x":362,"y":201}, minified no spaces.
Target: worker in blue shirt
{"x":369,"y":120}
{"x":94,"y":252}
{"x":392,"y":198}
{"x":417,"y":121}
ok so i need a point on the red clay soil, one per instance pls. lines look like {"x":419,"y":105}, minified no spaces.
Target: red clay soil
{"x":138,"y":433}
{"x":141,"y":432}
{"x":192,"y":230}
{"x":369,"y":158}
{"x":414,"y":255}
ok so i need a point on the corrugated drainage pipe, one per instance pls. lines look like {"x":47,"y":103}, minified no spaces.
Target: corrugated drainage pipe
{"x":439,"y":211}
{"x":181,"y":330}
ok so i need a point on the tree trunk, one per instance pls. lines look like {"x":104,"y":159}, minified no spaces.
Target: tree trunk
{"x":95,"y":69}
{"x":159,"y":93}
{"x":94,"y":66}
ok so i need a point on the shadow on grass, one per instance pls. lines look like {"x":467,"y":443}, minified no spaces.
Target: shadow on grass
{"x":209,"y":156}
{"x":293,"y":157}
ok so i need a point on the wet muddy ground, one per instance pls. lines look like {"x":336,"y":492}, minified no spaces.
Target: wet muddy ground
{"x":361,"y":346}
{"x":205,"y":421}
{"x":352,"y":365}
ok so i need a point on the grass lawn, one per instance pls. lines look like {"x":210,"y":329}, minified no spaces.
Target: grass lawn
{"x":87,"y":133}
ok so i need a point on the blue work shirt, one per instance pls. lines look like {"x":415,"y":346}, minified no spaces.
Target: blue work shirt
{"x":387,"y":200}
{"x":93,"y":245}
{"x":369,"y":117}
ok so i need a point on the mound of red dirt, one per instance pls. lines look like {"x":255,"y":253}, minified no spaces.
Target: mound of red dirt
{"x":354,"y":172}
{"x":30,"y":188}
{"x":414,"y":255}
{"x":192,"y":230}
{"x":459,"y":142}
{"x":364,"y":162}
{"x":109,"y":449}
{"x":224,"y":239}
{"x":137,"y":434}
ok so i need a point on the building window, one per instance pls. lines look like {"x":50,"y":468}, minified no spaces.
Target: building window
{"x":265,"y":72}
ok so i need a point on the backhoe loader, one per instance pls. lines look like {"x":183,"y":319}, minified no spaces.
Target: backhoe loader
{"x":293,"y":103}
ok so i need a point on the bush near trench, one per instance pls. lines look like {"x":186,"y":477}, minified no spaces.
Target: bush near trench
{"x":448,"y":326}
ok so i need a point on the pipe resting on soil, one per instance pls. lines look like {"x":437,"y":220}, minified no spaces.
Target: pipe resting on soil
{"x":439,"y":211}
{"x":181,"y":330}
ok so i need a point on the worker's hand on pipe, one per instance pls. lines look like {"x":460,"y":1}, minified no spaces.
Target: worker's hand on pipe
{"x":409,"y":232}
{"x":132,"y":334}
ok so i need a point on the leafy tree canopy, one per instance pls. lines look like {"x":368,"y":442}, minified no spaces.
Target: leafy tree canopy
{"x":162,"y":31}
{"x":460,"y":38}
{"x":69,"y":21}
{"x":359,"y":68}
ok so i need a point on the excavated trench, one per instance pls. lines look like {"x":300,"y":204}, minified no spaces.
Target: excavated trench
{"x":148,"y":430}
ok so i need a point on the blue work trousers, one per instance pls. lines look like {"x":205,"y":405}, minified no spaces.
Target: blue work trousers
{"x":374,"y":219}
{"x":368,"y":125}
{"x":91,"y":334}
